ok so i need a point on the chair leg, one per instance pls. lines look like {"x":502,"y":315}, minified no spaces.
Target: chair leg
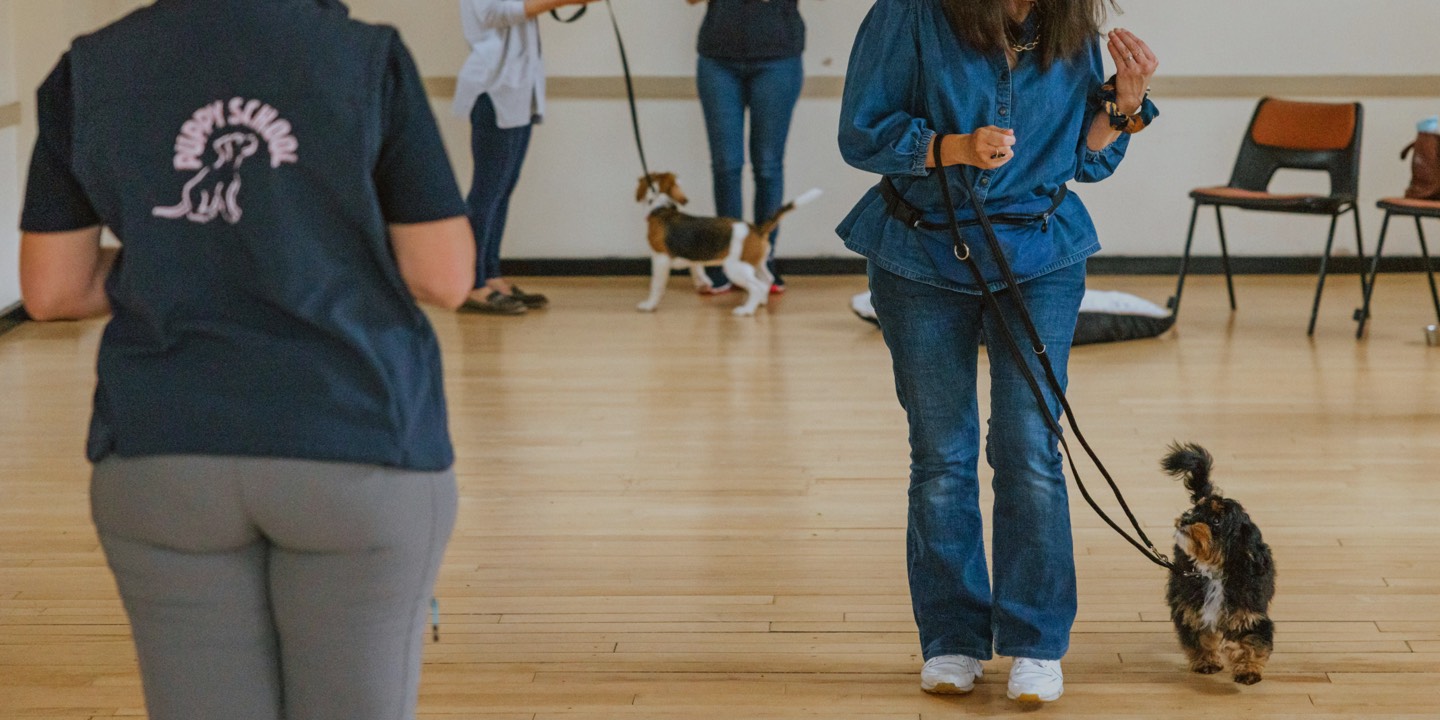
{"x":1359,"y":248}
{"x":1363,"y":313}
{"x":1429,"y":269}
{"x":1324,"y":266}
{"x":1225,"y":258}
{"x":1184,"y":264}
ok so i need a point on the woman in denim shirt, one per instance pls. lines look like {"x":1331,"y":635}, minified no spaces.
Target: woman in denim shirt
{"x":1015,"y":89}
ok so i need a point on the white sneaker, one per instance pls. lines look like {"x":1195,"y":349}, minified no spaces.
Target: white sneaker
{"x":950,"y":674}
{"x":1035,"y":681}
{"x":864,"y":308}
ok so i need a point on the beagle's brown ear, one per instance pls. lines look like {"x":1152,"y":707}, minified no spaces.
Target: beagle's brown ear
{"x":642,"y":189}
{"x":667,"y":184}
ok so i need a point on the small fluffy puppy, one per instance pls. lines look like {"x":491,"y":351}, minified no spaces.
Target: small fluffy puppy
{"x":1220,"y":591}
{"x":678,"y":241}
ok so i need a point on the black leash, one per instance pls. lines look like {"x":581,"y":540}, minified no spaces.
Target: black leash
{"x":962,"y":253}
{"x":629,"y":84}
{"x":578,"y":14}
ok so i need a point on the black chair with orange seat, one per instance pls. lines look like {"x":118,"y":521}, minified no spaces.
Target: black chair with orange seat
{"x":1403,"y":207}
{"x":1285,"y":134}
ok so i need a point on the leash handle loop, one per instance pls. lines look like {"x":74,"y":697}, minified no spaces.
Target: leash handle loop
{"x":578,"y":14}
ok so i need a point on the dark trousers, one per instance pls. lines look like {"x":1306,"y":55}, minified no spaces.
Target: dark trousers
{"x":769,"y":90}
{"x":498,"y":156}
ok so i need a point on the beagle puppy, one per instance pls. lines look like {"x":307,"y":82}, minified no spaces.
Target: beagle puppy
{"x":679,"y":241}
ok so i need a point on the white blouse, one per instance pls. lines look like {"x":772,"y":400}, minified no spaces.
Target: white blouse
{"x":504,"y":62}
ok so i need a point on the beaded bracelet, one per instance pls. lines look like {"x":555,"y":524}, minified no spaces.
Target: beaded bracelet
{"x":1121,"y":121}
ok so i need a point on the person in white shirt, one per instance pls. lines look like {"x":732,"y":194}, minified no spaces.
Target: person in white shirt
{"x":501,"y":88}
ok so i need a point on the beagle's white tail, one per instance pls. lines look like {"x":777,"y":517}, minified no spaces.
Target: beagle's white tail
{"x":810,"y":196}
{"x":805,"y":199}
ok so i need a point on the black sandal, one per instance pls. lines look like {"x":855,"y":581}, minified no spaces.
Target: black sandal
{"x":496,"y":303}
{"x":531,"y":301}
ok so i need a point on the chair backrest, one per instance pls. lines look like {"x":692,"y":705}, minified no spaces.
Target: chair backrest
{"x":1286,"y":134}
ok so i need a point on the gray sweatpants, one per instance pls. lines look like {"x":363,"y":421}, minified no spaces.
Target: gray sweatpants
{"x":266,"y":589}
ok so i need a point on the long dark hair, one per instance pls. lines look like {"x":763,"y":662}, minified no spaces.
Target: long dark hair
{"x":1066,"y":26}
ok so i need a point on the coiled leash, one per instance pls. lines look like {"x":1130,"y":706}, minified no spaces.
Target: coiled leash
{"x":629,"y":83}
{"x":962,"y":253}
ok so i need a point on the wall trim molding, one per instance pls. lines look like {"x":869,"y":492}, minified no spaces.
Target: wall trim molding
{"x":1103,"y":265}
{"x":12,"y":317}
{"x":9,"y":115}
{"x":657,"y":87}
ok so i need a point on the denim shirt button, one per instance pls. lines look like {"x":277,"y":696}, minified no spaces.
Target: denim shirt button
{"x":1004,"y":110}
{"x":985,"y":181}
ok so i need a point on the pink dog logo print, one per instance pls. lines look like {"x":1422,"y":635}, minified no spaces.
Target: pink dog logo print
{"x":216,"y":157}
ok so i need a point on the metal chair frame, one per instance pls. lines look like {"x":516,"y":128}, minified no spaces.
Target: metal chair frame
{"x":1391,"y":209}
{"x":1255,"y":166}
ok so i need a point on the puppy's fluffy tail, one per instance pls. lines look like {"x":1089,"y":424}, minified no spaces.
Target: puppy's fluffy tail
{"x":769,"y":226}
{"x":1191,"y":463}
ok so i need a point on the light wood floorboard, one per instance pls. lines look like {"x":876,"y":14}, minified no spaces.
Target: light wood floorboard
{"x":689,"y":515}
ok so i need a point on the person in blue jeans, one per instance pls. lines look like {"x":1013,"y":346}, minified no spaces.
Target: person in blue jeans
{"x":749,"y":60}
{"x":1014,"y":95}
{"x":501,"y":89}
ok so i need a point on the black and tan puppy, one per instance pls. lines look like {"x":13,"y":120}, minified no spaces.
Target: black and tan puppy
{"x":678,"y":241}
{"x":1220,"y":591}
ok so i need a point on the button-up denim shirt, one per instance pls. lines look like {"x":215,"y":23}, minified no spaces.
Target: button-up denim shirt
{"x":910,"y":77}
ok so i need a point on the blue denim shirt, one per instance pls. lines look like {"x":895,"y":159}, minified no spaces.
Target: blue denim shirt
{"x":911,"y":77}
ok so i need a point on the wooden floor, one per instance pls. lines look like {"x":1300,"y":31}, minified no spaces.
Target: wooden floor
{"x":689,"y":515}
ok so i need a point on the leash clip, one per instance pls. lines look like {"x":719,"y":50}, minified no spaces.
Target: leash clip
{"x":956,"y":250}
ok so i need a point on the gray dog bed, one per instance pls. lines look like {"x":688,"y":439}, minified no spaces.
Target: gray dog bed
{"x":1105,"y":316}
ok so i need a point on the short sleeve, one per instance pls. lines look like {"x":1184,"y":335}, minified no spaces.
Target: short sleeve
{"x":413,"y":175}
{"x":54,"y":199}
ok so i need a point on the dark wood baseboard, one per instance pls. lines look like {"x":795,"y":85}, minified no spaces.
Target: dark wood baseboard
{"x":11,"y":317}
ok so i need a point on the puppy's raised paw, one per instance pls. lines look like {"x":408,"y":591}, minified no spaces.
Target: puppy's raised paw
{"x":1247,"y":678}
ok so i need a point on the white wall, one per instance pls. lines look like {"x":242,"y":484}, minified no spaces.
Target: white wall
{"x":9,"y":167}
{"x":575,"y":197}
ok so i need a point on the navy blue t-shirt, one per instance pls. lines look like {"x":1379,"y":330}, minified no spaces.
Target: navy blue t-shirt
{"x":250,"y":156}
{"x":752,"y":30}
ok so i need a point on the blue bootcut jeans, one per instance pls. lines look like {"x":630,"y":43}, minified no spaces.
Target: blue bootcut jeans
{"x":769,"y":89}
{"x":934,"y":339}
